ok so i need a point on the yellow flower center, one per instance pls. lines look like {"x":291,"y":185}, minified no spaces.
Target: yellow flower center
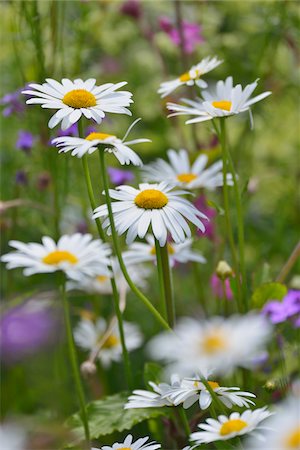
{"x":101,"y":136}
{"x":59,"y":256}
{"x":170,"y":248}
{"x":223,"y":104}
{"x":186,"y":177}
{"x":101,"y":278}
{"x":293,"y":441}
{"x":111,"y":341}
{"x":213,"y":384}
{"x":151,"y":199}
{"x":232,"y":426}
{"x":79,"y":98}
{"x":124,"y":448}
{"x":187,"y":76}
{"x":213,"y":343}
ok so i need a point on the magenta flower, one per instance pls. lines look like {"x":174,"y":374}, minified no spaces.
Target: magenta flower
{"x":191,"y":32}
{"x":202,"y":205}
{"x":119,"y":176}
{"x":131,"y":8}
{"x":287,"y":309}
{"x":217,"y":288}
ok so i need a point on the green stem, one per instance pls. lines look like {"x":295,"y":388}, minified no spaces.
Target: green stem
{"x":184,"y":421}
{"x":118,"y":252}
{"x":74,"y":363}
{"x":161,"y":280}
{"x":214,"y":396}
{"x":112,"y":280}
{"x":167,"y":282}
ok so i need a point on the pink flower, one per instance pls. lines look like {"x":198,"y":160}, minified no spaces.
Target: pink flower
{"x":191,"y":32}
{"x":202,"y":205}
{"x":217,"y":288}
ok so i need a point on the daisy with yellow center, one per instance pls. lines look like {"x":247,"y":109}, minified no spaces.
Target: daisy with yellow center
{"x":225,"y":428}
{"x":192,"y":77}
{"x":219,"y":343}
{"x":225,"y":100}
{"x":112,"y":144}
{"x":155,"y":205}
{"x":129,"y":444}
{"x":140,"y":252}
{"x":88,"y":334}
{"x":77,"y":255}
{"x":180,"y":171}
{"x":77,"y":98}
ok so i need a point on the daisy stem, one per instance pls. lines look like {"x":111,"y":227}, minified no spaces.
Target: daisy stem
{"x":167,"y":282}
{"x":184,"y":421}
{"x":222,"y":136}
{"x":74,"y":362}
{"x":161,"y":279}
{"x":112,"y":280}
{"x":214,"y":396}
{"x":118,"y":252}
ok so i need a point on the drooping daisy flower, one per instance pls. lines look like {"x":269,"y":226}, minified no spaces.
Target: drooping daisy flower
{"x":185,"y":174}
{"x":152,"y":204}
{"x":226,"y":100}
{"x":100,"y":284}
{"x":75,"y":98}
{"x":284,"y":432}
{"x":229,"y":427}
{"x":118,"y":147}
{"x":88,"y":335}
{"x":77,"y":255}
{"x":193,"y":76}
{"x":128,"y":444}
{"x":219,"y":343}
{"x":140,"y":252}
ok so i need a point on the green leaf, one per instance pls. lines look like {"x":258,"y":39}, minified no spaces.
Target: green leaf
{"x":268,"y":291}
{"x":217,"y":207}
{"x":152,"y":372}
{"x":108,"y":415}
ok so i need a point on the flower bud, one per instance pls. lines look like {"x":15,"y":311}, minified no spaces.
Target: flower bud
{"x":88,"y":368}
{"x":224,"y":270}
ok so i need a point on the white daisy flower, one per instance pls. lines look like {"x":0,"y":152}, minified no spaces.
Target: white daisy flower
{"x":192,"y":390}
{"x":218,"y":343}
{"x":229,"y":427}
{"x":100,"y":284}
{"x":77,"y":255}
{"x":88,"y":335}
{"x":185,"y":174}
{"x":284,"y":433}
{"x":152,"y":204}
{"x":118,"y":147}
{"x":191,"y":77}
{"x":128,"y":444}
{"x":77,"y":98}
{"x":12,"y":437}
{"x":224,"y":101}
{"x":139,"y":252}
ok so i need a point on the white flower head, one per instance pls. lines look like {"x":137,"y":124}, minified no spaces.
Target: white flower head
{"x":219,"y":343}
{"x":100,"y":284}
{"x":77,"y":98}
{"x":89,"y":334}
{"x":226,"y":100}
{"x":140,"y":252}
{"x":12,"y":437}
{"x":77,"y":255}
{"x":284,"y":428}
{"x":128,"y":444}
{"x":157,"y":205}
{"x":118,"y":147}
{"x":229,"y":427}
{"x":192,"y":77}
{"x":181,"y":172}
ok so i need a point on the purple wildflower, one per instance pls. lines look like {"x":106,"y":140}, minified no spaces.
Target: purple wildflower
{"x":202,"y":205}
{"x":288,"y":308}
{"x":131,"y":8}
{"x":191,"y":32}
{"x":217,"y":288}
{"x":25,"y":141}
{"x":25,"y":329}
{"x":43,"y":181}
{"x":119,"y":176}
{"x":21,"y":178}
{"x":71,"y":131}
{"x":13,"y":103}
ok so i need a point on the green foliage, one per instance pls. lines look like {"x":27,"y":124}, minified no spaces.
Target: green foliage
{"x":108,"y":415}
{"x":152,"y":372}
{"x":268,"y":291}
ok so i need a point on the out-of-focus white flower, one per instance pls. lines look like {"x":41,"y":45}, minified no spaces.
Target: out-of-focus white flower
{"x":77,"y":255}
{"x":229,"y":427}
{"x":77,"y":98}
{"x":12,"y":437}
{"x":218,"y":343}
{"x":88,"y":335}
{"x":139,"y":252}
{"x":226,"y":100}
{"x":128,"y":444}
{"x":193,"y":76}
{"x":181,"y":172}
